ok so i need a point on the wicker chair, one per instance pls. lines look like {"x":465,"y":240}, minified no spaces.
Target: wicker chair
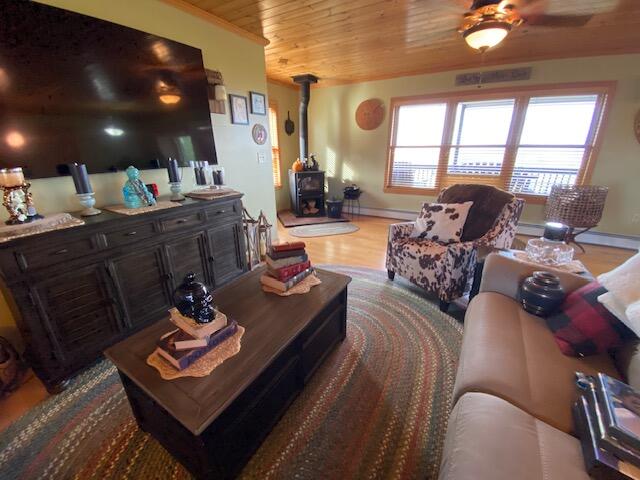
{"x":447,"y":270}
{"x":577,"y":206}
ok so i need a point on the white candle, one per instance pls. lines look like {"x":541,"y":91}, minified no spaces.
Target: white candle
{"x":11,"y":177}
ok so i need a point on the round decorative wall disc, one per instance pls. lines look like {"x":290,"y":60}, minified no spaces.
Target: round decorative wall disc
{"x":259,"y":134}
{"x":370,"y":114}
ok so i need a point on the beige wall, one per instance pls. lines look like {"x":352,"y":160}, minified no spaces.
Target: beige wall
{"x":353,"y":155}
{"x":242,"y":65}
{"x":287,"y":99}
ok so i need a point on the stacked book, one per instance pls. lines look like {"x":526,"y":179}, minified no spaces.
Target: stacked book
{"x":191,"y":340}
{"x":287,"y":265}
{"x":607,"y":418}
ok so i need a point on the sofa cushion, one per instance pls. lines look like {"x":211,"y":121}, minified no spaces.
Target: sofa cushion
{"x":511,"y":354}
{"x":583,"y":326}
{"x":490,"y":439}
{"x":441,"y":222}
{"x":488,"y":203}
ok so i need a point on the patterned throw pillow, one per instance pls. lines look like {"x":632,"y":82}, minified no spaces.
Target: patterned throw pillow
{"x":441,"y":222}
{"x":583,"y":326}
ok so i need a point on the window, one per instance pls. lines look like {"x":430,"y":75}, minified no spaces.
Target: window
{"x":275,"y":145}
{"x":525,"y":141}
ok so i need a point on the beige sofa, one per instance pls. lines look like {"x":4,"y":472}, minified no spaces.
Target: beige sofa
{"x":514,"y":388}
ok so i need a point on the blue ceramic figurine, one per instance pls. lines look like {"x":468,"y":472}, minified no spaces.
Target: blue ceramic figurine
{"x":135,"y":192}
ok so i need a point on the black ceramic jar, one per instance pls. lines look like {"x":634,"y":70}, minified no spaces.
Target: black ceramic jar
{"x":193,"y":299}
{"x":541,"y":294}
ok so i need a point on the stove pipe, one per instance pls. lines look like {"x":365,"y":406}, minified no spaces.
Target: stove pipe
{"x":305,"y":82}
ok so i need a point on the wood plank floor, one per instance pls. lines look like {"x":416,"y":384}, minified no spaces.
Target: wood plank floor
{"x":367,"y":247}
{"x":364,"y":248}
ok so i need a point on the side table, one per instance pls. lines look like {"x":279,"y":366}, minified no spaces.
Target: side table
{"x":483,"y":253}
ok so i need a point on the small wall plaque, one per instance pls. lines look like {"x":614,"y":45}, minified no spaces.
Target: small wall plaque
{"x":495,"y":76}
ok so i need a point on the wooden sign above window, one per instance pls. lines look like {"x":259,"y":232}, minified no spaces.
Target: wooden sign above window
{"x":495,"y":76}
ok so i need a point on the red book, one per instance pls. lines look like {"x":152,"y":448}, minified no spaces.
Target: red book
{"x":287,"y":246}
{"x":285,"y":273}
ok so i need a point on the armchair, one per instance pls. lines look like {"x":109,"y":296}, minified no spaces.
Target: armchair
{"x":447,"y":270}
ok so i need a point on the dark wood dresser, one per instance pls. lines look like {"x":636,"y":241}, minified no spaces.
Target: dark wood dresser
{"x":77,"y":291}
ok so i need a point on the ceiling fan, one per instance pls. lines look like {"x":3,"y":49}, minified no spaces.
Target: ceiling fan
{"x":488,"y":22}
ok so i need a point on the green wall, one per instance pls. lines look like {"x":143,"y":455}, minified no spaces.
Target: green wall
{"x":353,"y":155}
{"x":287,"y":99}
{"x":243,"y":68}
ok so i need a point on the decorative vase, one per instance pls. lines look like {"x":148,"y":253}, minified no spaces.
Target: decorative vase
{"x":541,"y":293}
{"x":193,"y":299}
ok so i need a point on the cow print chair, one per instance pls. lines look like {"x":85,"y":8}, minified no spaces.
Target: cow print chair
{"x":446,"y":270}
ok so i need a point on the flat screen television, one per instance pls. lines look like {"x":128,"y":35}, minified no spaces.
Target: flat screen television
{"x":78,"y":89}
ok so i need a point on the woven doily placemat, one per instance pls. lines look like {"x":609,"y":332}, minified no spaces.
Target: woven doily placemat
{"x":204,"y":365}
{"x":57,"y":221}
{"x":574,"y":266}
{"x":303,"y":287}
{"x":206,"y":194}
{"x":137,"y":211}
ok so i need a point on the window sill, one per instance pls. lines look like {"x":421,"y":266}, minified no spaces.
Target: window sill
{"x":411,"y":190}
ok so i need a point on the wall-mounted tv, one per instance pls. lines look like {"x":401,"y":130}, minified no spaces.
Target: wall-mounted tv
{"x":77,"y":89}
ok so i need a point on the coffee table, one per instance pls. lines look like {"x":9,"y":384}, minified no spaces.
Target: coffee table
{"x":213,"y":425}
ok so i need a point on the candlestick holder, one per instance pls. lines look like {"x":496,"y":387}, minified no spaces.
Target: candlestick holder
{"x":15,"y":206}
{"x":32,"y":213}
{"x":176,"y":188}
{"x":87,"y":200}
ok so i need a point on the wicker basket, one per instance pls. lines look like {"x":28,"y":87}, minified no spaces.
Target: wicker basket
{"x":576,"y":206}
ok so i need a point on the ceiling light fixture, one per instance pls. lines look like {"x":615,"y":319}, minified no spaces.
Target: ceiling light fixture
{"x":170,"y":98}
{"x":488,"y":23}
{"x":167,"y":87}
{"x":114,"y":131}
{"x":486,"y":35}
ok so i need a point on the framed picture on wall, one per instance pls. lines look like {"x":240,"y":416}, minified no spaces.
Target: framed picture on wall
{"x":258,"y":103}
{"x":239,"y":112}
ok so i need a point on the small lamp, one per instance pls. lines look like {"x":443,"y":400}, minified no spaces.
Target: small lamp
{"x":11,"y":181}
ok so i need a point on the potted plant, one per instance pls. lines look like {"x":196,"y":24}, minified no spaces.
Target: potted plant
{"x":334,"y":207}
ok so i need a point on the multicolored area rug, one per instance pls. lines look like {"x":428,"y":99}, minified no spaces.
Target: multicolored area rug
{"x":377,"y":408}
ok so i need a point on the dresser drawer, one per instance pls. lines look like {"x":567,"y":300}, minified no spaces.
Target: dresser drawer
{"x":181,"y":222}
{"x":130,"y":234}
{"x":50,"y":254}
{"x":224,"y":211}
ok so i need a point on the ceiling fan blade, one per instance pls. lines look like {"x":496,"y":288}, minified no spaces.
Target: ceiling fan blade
{"x":543,"y":20}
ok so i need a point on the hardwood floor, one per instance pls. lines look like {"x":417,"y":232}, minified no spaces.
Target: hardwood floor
{"x":367,"y":247}
{"x":364,"y":248}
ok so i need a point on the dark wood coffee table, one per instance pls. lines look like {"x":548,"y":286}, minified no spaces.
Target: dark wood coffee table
{"x":213,"y":425}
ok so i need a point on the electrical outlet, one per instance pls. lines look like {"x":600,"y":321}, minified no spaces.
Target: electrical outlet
{"x":261,"y":157}
{"x":635,"y":218}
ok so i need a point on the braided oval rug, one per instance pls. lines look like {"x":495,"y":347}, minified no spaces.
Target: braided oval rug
{"x":377,"y":408}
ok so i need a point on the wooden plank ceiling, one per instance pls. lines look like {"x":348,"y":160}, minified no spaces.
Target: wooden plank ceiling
{"x":351,"y":41}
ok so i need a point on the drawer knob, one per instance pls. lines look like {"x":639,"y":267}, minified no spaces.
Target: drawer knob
{"x":130,"y":234}
{"x":61,"y":251}
{"x":181,"y":220}
{"x":211,"y":259}
{"x":220,"y":211}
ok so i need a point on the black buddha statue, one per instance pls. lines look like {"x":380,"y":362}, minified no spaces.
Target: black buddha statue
{"x":194,"y":300}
